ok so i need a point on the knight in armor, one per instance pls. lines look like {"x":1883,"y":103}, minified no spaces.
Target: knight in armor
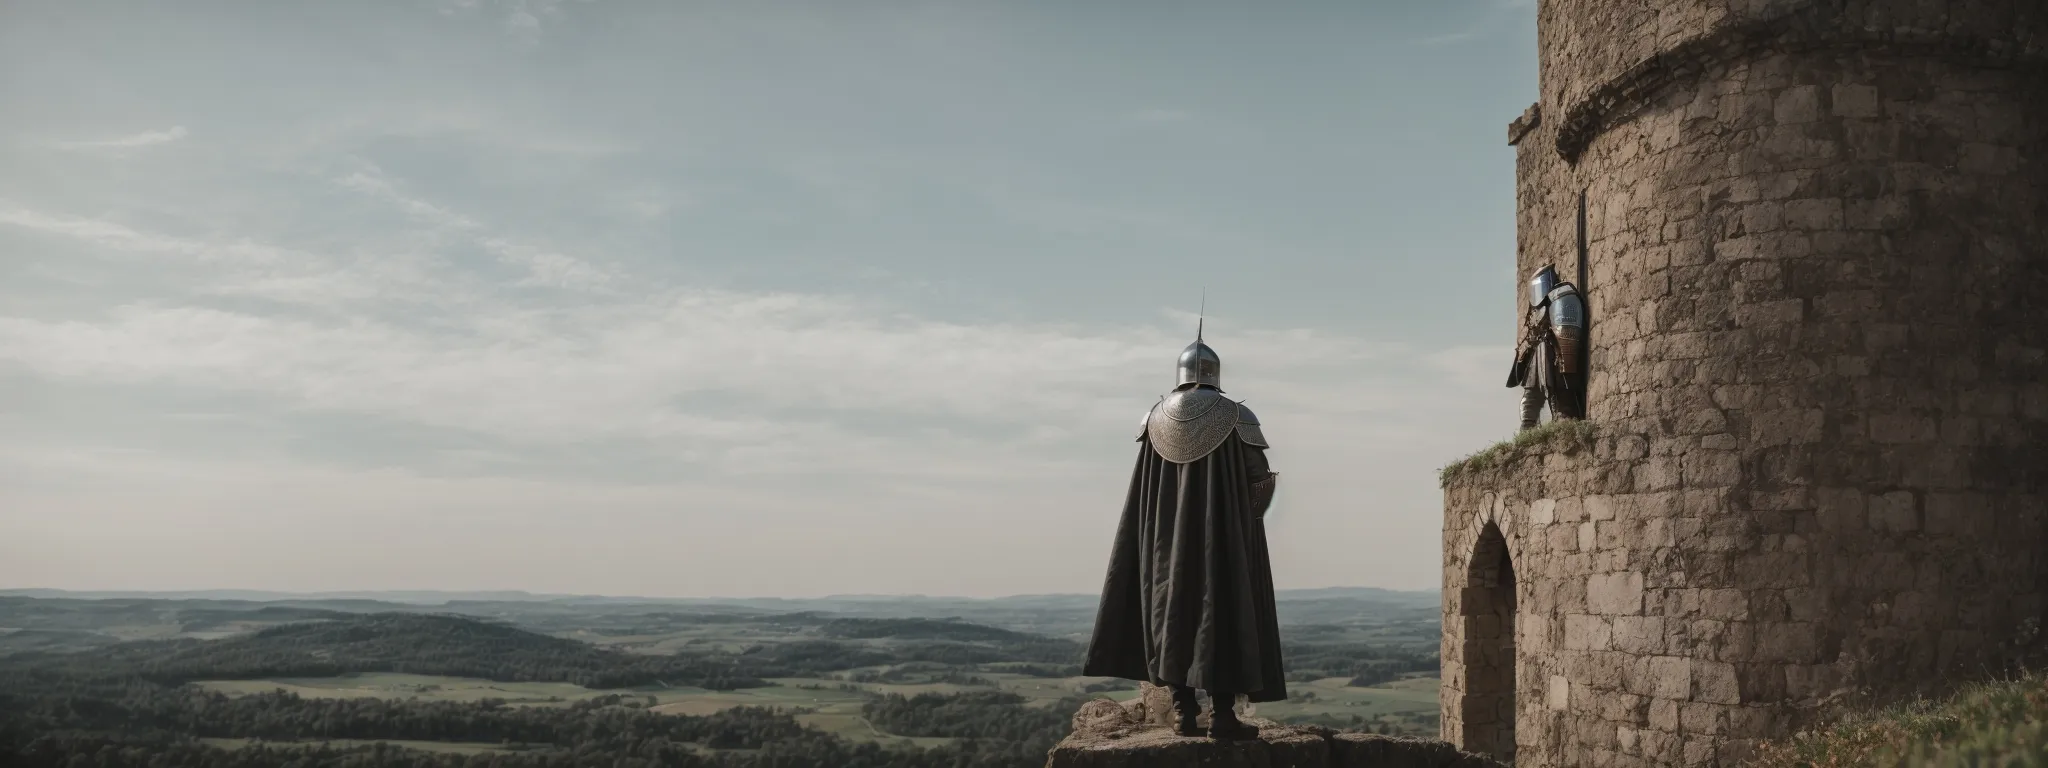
{"x":1550,"y":362}
{"x":1188,"y":603}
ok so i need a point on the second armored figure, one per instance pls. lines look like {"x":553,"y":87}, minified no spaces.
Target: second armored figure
{"x":1188,"y":603}
{"x":1550,"y":361}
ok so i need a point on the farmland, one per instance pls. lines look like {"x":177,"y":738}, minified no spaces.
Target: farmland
{"x":920,"y":679}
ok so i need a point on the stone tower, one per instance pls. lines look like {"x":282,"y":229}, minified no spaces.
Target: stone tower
{"x":1816,"y":266}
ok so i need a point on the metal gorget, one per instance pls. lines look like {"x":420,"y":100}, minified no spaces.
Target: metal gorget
{"x":1186,"y":425}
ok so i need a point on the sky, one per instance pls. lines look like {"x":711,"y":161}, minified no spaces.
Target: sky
{"x":777,"y":298}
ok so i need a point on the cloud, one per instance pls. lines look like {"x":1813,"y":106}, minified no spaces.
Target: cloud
{"x":631,"y":366}
{"x":545,"y":268}
{"x":119,"y":238}
{"x":144,"y":139}
{"x":522,"y":18}
{"x":545,"y":384}
{"x":374,"y":183}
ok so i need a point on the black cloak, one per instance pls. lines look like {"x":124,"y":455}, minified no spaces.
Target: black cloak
{"x":1189,"y":597}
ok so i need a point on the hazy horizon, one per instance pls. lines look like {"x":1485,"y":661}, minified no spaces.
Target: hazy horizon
{"x":774,"y":299}
{"x":341,"y":594}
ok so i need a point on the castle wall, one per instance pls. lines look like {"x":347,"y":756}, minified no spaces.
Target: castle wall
{"x":1818,"y":288}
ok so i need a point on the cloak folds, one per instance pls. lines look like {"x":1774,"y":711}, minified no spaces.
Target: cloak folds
{"x":1189,"y":596}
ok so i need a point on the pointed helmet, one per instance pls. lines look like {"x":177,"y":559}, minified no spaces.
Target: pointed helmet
{"x":1199,"y":364}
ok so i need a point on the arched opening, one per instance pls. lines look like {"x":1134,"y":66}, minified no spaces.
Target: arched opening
{"x":1489,"y":612}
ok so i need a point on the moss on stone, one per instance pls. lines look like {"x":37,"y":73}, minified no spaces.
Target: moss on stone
{"x":1555,"y":435}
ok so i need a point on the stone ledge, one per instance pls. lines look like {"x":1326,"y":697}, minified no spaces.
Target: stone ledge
{"x":1531,"y":117}
{"x":1569,"y":437}
{"x":1814,"y":28}
{"x":1134,"y":734}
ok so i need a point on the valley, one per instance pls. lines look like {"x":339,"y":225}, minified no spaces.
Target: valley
{"x":537,"y":680}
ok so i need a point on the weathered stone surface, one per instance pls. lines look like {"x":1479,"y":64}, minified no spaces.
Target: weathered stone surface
{"x":1817,"y":249}
{"x":1127,"y":735}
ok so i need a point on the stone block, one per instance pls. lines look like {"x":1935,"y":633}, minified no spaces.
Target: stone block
{"x":1599,"y":507}
{"x":1626,"y":740}
{"x":1618,"y":594}
{"x":1958,"y":514}
{"x":1770,"y":314}
{"x":1961,"y":430}
{"x":1804,"y":604}
{"x":1723,"y":604}
{"x":1987,"y":159}
{"x":1609,"y":536}
{"x":1707,"y":719}
{"x":1587,"y":633}
{"x":1671,"y":677}
{"x":1663,"y":748}
{"x":1818,"y":214}
{"x":1712,"y":469}
{"x":1788,"y":643}
{"x":1569,"y":510}
{"x":1700,"y":751}
{"x":1559,"y":695}
{"x":1902,"y":428}
{"x":1657,"y":473}
{"x":1786,"y":426}
{"x":1664,"y":715}
{"x":1642,"y":635}
{"x":1766,"y":216}
{"x":1715,"y":682}
{"x":1855,"y":101}
{"x":1562,"y":538}
{"x":1839,"y":510}
{"x":1846,"y":304}
{"x":1656,"y":533}
{"x":1880,"y":213}
{"x":1895,"y":512}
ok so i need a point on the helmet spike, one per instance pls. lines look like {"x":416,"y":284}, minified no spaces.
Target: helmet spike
{"x":1198,"y":363}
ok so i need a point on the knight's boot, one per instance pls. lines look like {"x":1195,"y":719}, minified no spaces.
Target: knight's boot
{"x":1188,"y":710}
{"x":1532,"y":406}
{"x":1223,"y":722}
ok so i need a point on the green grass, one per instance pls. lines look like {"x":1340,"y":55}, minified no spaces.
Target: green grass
{"x":1554,"y":435}
{"x":1990,"y":725}
{"x":382,"y":685}
{"x":827,"y":707}
{"x":445,"y":747}
{"x":1334,"y":697}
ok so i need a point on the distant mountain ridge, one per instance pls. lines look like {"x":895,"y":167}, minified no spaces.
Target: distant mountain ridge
{"x":436,"y":597}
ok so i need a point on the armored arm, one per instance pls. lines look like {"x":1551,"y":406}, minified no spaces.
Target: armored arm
{"x":1257,"y":472}
{"x":1262,"y":478}
{"x":1568,"y":324}
{"x":1532,"y":335}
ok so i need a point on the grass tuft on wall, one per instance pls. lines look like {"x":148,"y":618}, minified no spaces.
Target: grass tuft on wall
{"x":1553,"y":435}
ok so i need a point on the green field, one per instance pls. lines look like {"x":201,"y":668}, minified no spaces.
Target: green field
{"x":818,"y":682}
{"x":823,"y":703}
{"x":392,"y":685}
{"x":450,"y":747}
{"x":829,"y":706}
